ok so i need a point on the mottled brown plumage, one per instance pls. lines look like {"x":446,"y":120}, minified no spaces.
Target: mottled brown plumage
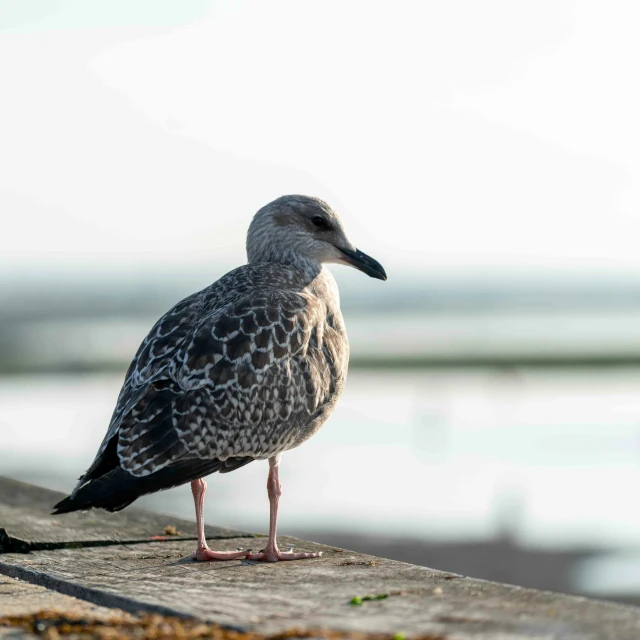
{"x":243,"y":370}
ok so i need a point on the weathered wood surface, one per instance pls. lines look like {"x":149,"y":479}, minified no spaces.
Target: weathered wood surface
{"x":23,"y":599}
{"x":19,"y":598}
{"x":316,"y":593}
{"x":269,"y":598}
{"x":26,"y":523}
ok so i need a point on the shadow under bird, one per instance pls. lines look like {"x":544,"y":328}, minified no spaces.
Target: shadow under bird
{"x":243,"y":370}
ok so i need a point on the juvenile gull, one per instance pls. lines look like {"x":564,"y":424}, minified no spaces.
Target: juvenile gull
{"x":243,"y":370}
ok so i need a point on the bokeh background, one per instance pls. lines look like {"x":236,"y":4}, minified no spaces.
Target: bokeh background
{"x":485,"y":153}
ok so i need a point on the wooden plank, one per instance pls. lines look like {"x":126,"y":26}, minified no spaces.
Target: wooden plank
{"x":26,"y":523}
{"x":314,"y":594}
{"x":19,"y":598}
{"x":29,"y":611}
{"x":21,"y":603}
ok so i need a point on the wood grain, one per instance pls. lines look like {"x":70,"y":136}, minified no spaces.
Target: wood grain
{"x":276,"y":597}
{"x":316,"y":593}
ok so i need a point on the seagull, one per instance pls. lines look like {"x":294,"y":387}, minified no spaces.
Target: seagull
{"x":244,"y":370}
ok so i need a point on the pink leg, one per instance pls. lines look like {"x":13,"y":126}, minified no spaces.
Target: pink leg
{"x":198,"y":488}
{"x":271,"y":553}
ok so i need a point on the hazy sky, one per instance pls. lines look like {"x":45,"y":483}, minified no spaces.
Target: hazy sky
{"x":452,"y":134}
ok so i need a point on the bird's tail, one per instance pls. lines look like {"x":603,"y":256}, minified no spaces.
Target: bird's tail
{"x":117,"y":488}
{"x":113,"y":491}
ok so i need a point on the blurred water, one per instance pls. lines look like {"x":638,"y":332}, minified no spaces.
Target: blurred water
{"x":554,"y":457}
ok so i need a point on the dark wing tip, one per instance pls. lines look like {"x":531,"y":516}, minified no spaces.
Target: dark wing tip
{"x":65,"y":506}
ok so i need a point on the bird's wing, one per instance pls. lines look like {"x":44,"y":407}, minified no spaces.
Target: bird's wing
{"x":251,"y":376}
{"x":241,"y":382}
{"x":154,"y":361}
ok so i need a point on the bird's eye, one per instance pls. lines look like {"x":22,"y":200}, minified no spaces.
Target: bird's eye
{"x":318,"y":221}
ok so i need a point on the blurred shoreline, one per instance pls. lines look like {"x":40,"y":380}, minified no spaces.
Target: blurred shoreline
{"x":90,"y":321}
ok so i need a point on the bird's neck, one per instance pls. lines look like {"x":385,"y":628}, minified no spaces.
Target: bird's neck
{"x":310,"y":268}
{"x":324,"y":286}
{"x":315,"y":277}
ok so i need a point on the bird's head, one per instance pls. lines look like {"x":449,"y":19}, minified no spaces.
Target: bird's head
{"x":303,"y":228}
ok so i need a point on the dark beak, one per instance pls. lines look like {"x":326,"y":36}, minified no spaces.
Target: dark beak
{"x":364,"y":263}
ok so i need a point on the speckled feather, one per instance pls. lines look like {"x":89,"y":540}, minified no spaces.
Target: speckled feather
{"x":244,"y":369}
